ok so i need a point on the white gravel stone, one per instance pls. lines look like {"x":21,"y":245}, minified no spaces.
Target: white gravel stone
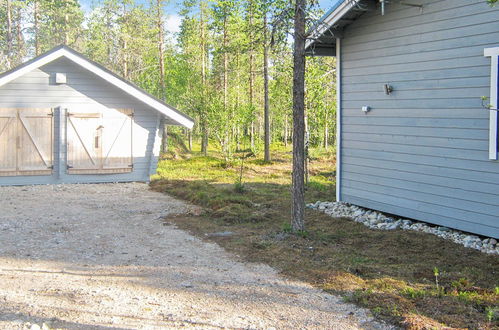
{"x":377,"y":220}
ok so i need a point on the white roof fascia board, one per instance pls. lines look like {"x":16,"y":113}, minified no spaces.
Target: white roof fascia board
{"x":129,"y":89}
{"x":330,"y":20}
{"x":32,"y":66}
{"x":493,"y":53}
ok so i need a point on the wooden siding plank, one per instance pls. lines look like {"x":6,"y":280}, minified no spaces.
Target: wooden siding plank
{"x":479,"y":123}
{"x":478,"y":202}
{"x":400,"y":17}
{"x":414,"y":85}
{"x":465,"y":113}
{"x":478,"y":39}
{"x":417,"y":57}
{"x":421,"y":202}
{"x":436,"y":64}
{"x":450,"y":103}
{"x":415,"y":174}
{"x":437,"y":219}
{"x":485,"y":166}
{"x":428,"y":26}
{"x":470,"y":70}
{"x":476,"y":134}
{"x":474,"y":93}
{"x":424,"y":141}
{"x":472,"y":178}
{"x":423,"y":38}
{"x":442,"y":152}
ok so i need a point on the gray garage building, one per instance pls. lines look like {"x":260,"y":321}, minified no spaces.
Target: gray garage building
{"x":66,"y":119}
{"x":414,"y":136}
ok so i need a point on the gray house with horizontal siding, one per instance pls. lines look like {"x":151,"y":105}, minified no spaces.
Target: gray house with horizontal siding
{"x":415,"y":138}
{"x":66,"y":119}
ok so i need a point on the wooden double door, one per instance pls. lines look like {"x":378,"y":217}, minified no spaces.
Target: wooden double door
{"x":26,"y":141}
{"x":99,"y":142}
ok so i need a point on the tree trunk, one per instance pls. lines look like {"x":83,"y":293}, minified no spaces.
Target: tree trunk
{"x":238,"y":142}
{"x":125,"y":59}
{"x":307,"y":142}
{"x":266,"y":109}
{"x":9,"y":32}
{"x":124,"y":50}
{"x":108,"y":35}
{"x":203,"y":123}
{"x":326,"y":134}
{"x":36,"y":27}
{"x":161,"y":67}
{"x":225,"y":148}
{"x":189,"y":135}
{"x":20,"y":37}
{"x":298,"y":221}
{"x":252,"y":135}
{"x":66,"y":24}
{"x":286,"y":129}
{"x":251,"y":76}
{"x":226,"y":66}
{"x":204,"y":139}
{"x":164,"y":137}
{"x":161,"y":63}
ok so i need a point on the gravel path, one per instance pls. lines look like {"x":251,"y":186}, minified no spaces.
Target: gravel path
{"x":99,"y":257}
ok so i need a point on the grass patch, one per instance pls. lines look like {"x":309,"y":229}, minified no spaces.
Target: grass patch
{"x":389,"y":272}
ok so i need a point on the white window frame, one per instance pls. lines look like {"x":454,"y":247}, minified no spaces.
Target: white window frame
{"x":493,"y":53}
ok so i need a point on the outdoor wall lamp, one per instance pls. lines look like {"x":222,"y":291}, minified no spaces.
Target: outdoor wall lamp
{"x":388,"y":89}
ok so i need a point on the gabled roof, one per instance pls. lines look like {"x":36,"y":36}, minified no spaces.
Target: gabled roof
{"x":322,"y":36}
{"x":99,"y":70}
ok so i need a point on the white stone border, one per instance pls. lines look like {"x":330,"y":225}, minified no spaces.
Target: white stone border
{"x":377,"y":220}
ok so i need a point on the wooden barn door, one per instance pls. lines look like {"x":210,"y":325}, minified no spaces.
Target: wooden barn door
{"x":100,"y":142}
{"x":83,"y":141}
{"x":36,"y":139}
{"x":117,"y":140}
{"x":8,"y":142}
{"x":26,"y":142}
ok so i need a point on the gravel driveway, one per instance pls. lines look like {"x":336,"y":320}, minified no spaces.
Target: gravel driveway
{"x":100,"y":257}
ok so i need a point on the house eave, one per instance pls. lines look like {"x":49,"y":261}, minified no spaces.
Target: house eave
{"x":323,"y":35}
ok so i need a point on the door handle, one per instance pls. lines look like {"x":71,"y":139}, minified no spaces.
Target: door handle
{"x":97,"y":142}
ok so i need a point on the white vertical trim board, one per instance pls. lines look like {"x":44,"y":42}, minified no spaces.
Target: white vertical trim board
{"x":493,"y":53}
{"x":338,"y":119}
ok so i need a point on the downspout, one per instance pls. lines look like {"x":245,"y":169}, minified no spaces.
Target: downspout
{"x":382,"y":7}
{"x":338,"y":119}
{"x":156,"y":148}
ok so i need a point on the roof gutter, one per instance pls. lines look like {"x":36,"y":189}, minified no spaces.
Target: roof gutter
{"x":328,"y":22}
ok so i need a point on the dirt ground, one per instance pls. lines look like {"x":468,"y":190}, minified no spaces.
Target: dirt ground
{"x":100,"y":257}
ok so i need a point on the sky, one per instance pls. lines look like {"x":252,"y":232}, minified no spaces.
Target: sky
{"x":173,"y":19}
